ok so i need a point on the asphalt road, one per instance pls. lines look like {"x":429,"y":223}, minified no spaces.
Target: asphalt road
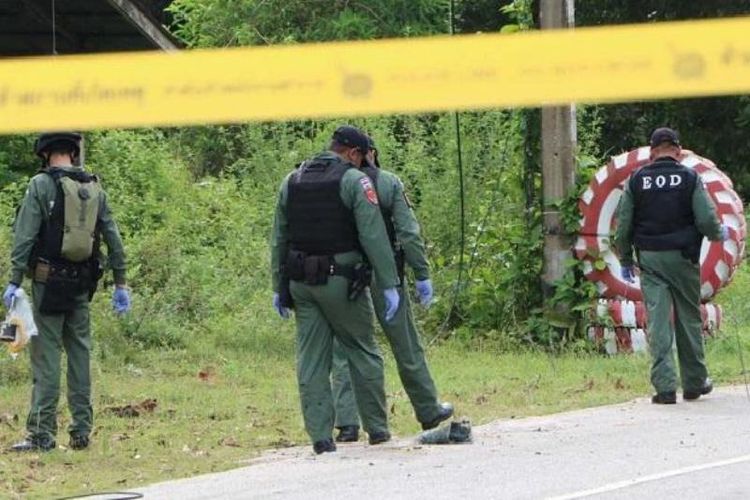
{"x":697,"y":450}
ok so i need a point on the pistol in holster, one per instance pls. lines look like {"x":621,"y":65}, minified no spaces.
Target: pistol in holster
{"x":97,"y":272}
{"x":361,"y":276}
{"x":400,"y":257}
{"x":285,"y":294}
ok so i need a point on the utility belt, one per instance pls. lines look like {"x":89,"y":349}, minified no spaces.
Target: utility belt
{"x":64,"y":282}
{"x":314,"y":270}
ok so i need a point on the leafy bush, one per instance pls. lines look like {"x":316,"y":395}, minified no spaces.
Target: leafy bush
{"x":194,"y":205}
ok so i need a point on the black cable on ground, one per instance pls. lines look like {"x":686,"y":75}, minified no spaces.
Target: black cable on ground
{"x":124,"y":495}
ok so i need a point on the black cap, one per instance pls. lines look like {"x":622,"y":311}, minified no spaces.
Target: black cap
{"x":664,"y":134}
{"x":53,"y":140}
{"x":346,"y":135}
{"x":372,"y":147}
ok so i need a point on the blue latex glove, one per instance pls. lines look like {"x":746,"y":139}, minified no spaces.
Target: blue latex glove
{"x":283,"y":311}
{"x":724,"y":232}
{"x":628,"y":273}
{"x":10,"y":292}
{"x":424,"y":292}
{"x":392,"y":300}
{"x":121,"y":300}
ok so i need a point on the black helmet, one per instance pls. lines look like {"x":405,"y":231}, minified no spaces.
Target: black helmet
{"x":58,"y":140}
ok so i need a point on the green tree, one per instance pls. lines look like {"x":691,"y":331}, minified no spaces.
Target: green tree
{"x":715,"y":127}
{"x":222,"y":23}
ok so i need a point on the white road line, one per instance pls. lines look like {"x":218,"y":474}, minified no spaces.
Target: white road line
{"x":653,"y":477}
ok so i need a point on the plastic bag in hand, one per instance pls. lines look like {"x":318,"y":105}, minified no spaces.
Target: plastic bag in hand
{"x":19,"y":326}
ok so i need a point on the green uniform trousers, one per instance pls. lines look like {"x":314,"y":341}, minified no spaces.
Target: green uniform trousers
{"x":415,"y":376}
{"x":70,"y":331}
{"x":671,"y":290}
{"x":323,"y":313}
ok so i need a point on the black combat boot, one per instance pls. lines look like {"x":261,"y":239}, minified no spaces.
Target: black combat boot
{"x":78,"y":442}
{"x":379,"y":437}
{"x":348,"y":434}
{"x":664,"y":398}
{"x":445,"y":411}
{"x":708,"y":386}
{"x":33,"y":443}
{"x":324,"y":446}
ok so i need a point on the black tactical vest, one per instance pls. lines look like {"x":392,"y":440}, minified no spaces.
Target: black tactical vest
{"x":319,"y":222}
{"x":50,"y":242}
{"x":663,"y":216}
{"x":373,"y":173}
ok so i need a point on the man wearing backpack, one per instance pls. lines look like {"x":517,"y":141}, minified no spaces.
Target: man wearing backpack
{"x":62,"y":218}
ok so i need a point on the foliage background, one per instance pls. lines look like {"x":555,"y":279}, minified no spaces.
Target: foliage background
{"x":194,"y":204}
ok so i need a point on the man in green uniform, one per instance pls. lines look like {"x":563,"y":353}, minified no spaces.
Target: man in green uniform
{"x":664,"y":213}
{"x":326,"y":227}
{"x":57,"y":231}
{"x":402,"y":334}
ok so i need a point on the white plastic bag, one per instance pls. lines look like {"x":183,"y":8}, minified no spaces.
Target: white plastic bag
{"x":22,"y":317}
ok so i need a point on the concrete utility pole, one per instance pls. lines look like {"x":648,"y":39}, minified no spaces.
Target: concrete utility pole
{"x":558,"y":157}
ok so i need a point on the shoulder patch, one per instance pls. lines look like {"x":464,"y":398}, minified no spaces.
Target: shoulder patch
{"x":369,"y":191}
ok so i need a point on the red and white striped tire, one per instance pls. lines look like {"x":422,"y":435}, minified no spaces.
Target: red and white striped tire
{"x":616,"y":340}
{"x":598,"y":205}
{"x":632,"y":314}
{"x":626,"y":321}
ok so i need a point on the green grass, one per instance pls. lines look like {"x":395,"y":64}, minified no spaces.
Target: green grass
{"x":228,"y":397}
{"x":249,"y":403}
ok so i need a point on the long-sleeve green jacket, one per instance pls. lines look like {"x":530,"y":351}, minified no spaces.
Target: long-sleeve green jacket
{"x":36,"y":208}
{"x":393,"y":198}
{"x":373,"y":237}
{"x":704,"y":211}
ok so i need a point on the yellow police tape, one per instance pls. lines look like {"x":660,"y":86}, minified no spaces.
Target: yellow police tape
{"x":347,"y":79}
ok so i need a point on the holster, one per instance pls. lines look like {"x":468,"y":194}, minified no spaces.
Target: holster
{"x":285,"y":294}
{"x":63,"y":284}
{"x":361,"y":276}
{"x":400,"y":256}
{"x":97,"y":271}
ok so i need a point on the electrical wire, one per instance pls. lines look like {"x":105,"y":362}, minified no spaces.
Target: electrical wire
{"x":54,"y":30}
{"x":490,"y":211}
{"x":469,"y":267}
{"x":461,"y":204}
{"x":742,"y":362}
